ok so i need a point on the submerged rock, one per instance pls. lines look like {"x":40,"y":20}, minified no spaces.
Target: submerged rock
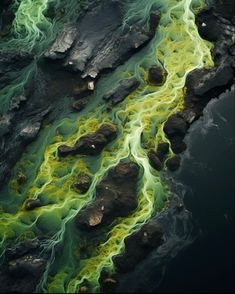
{"x":122,"y":90}
{"x":154,"y":160}
{"x":32,"y":204}
{"x":115,"y":197}
{"x":82,"y":183}
{"x":62,"y":44}
{"x":22,"y":248}
{"x":156,"y":75}
{"x":22,"y":268}
{"x":175,"y":129}
{"x":108,"y":282}
{"x":175,"y":125}
{"x":79,"y":105}
{"x":21,"y":178}
{"x":208,"y":26}
{"x":139,"y":245}
{"x":27,"y":265}
{"x":173,"y":163}
{"x":162,"y":151}
{"x":91,"y":144}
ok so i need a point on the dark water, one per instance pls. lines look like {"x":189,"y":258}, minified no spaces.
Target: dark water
{"x":208,"y":171}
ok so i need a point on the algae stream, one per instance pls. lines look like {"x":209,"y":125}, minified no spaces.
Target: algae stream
{"x":140,"y":120}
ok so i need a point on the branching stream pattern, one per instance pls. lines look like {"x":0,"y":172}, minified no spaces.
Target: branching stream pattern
{"x":140,"y":120}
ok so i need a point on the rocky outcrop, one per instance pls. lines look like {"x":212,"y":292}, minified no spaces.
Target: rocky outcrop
{"x":18,"y":131}
{"x":173,"y":163}
{"x":22,"y":268}
{"x":139,"y":245}
{"x":156,"y":75}
{"x":121,"y":91}
{"x":97,"y":43}
{"x":91,"y":144}
{"x":31,"y":204}
{"x":162,"y":150}
{"x":205,"y":84}
{"x":175,"y":129}
{"x":154,"y":160}
{"x":82,"y":183}
{"x":115,"y":197}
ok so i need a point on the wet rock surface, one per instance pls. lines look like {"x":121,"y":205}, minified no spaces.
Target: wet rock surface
{"x":205,"y":84}
{"x":79,"y":105}
{"x":175,"y":128}
{"x":154,"y":160}
{"x":108,"y":282}
{"x":22,"y":268}
{"x":93,"y":44}
{"x":162,"y":150}
{"x":97,"y":43}
{"x":121,"y":91}
{"x":115,"y":197}
{"x":173,"y":163}
{"x":82,"y":183}
{"x":139,"y":245}
{"x":156,"y":75}
{"x":91,"y":144}
{"x":32,"y":204}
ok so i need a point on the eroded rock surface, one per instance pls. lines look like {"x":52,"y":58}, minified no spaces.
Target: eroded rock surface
{"x":115,"y":197}
{"x":139,"y":245}
{"x":23,"y":267}
{"x":91,"y":144}
{"x":97,"y":42}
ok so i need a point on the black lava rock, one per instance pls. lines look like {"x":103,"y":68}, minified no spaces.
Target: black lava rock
{"x":139,"y":245}
{"x":173,"y":163}
{"x":115,"y":197}
{"x":91,"y":144}
{"x":154,"y":160}
{"x":156,"y":75}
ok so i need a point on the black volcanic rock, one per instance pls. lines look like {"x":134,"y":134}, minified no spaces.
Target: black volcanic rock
{"x":139,"y":245}
{"x":79,"y":105}
{"x":115,"y":197}
{"x":154,"y":160}
{"x":178,"y":145}
{"x":32,"y":204}
{"x":22,"y":268}
{"x":27,"y":265}
{"x":91,"y":144}
{"x":82,"y":183}
{"x":175,"y":125}
{"x":22,"y":248}
{"x":226,"y":8}
{"x":96,"y":42}
{"x":156,"y":75}
{"x":173,"y":163}
{"x":208,"y":26}
{"x":162,"y":150}
{"x":122,"y":90}
{"x":62,"y":44}
{"x":202,"y":82}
